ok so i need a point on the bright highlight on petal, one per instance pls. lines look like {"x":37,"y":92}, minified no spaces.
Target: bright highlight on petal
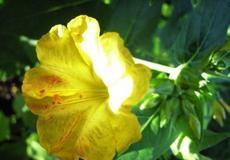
{"x":116,"y":96}
{"x":83,"y":90}
{"x":60,"y":33}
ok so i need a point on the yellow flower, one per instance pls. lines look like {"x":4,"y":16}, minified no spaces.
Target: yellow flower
{"x":83,"y":90}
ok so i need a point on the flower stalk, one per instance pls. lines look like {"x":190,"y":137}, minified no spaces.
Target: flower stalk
{"x":155,"y":66}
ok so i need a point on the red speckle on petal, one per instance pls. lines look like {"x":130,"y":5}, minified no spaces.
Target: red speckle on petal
{"x":52,"y":79}
{"x":42,"y":91}
{"x":39,"y":108}
{"x":45,"y":106}
{"x":57,"y":99}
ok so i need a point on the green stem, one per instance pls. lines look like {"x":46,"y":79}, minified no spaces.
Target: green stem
{"x":156,"y":66}
{"x":149,"y":120}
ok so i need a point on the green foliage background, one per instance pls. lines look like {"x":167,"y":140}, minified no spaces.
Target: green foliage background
{"x":193,"y":34}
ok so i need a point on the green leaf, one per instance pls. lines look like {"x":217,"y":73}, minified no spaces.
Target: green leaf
{"x":14,"y":59}
{"x":149,"y":144}
{"x":155,"y":125}
{"x":169,"y":111}
{"x":195,"y":125}
{"x":226,"y":46}
{"x":29,"y":120}
{"x":210,"y":139}
{"x":127,"y":19}
{"x":181,"y":148}
{"x":219,"y":113}
{"x":182,"y":124}
{"x":169,"y":34}
{"x":1,"y":2}
{"x":166,"y":10}
{"x":187,"y":148}
{"x":189,"y":78}
{"x":162,"y":86}
{"x":150,"y":101}
{"x":49,"y":14}
{"x":22,"y":111}
{"x":14,"y":150}
{"x":4,"y":127}
{"x":35,"y":150}
{"x":192,"y":118}
{"x":146,"y":153}
{"x":197,"y":33}
{"x":18,"y":104}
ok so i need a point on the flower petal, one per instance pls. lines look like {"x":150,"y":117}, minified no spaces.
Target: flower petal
{"x":63,"y":71}
{"x":86,"y":129}
{"x":60,"y":130}
{"x":43,"y":81}
{"x":126,"y":129}
{"x":120,"y":63}
{"x":57,"y":47}
{"x":85,"y":33}
{"x":57,"y":51}
{"x":40,"y":82}
{"x":111,"y":61}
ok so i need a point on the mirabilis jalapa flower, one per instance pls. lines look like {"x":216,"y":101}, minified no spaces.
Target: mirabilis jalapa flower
{"x":83,"y":91}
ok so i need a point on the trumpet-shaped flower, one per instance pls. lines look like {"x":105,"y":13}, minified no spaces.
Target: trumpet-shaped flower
{"x":83,"y":91}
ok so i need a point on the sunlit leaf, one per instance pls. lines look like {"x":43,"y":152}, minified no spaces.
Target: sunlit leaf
{"x":188,"y":148}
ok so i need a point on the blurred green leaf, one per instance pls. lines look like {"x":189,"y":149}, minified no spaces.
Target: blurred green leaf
{"x":15,"y":54}
{"x":226,"y":46}
{"x":18,"y":104}
{"x":3,"y":75}
{"x":23,"y":112}
{"x":21,"y":18}
{"x":2,"y":2}
{"x":15,"y":150}
{"x":4,"y":127}
{"x":107,"y":1}
{"x":169,"y":33}
{"x":35,"y":150}
{"x":166,"y":10}
{"x":29,"y":120}
{"x":136,"y":21}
